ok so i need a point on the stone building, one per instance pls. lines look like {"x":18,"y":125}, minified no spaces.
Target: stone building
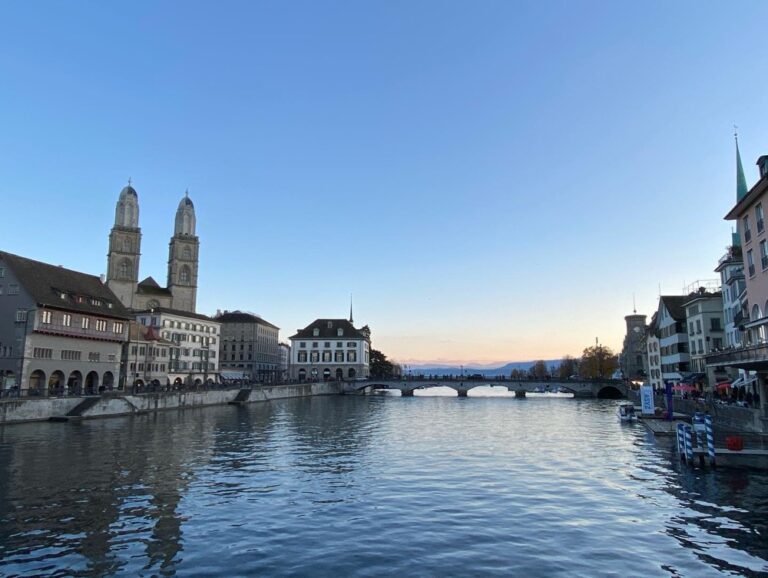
{"x":249,"y":346}
{"x":330,"y":349}
{"x":124,"y":255}
{"x":632,"y":358}
{"x":61,"y":331}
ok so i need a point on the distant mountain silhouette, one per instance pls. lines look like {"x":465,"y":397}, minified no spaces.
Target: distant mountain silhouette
{"x":470,"y":370}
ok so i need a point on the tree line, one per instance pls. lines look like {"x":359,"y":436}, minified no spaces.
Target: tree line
{"x":596,"y":362}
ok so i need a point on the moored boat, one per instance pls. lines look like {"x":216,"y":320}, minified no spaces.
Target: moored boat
{"x":627,"y":412}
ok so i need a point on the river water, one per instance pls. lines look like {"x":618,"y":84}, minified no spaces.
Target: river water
{"x":371,"y":486}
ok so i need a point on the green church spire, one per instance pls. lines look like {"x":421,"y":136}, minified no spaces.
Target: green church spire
{"x":741,"y":182}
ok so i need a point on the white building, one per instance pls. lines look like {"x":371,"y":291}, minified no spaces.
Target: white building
{"x":734,"y":289}
{"x":285,"y":361}
{"x":706,"y":331}
{"x":193,"y":358}
{"x":653,"y":356}
{"x":673,"y":338}
{"x":330,"y":349}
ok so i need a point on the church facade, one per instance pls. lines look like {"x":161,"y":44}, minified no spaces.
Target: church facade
{"x":180,"y":293}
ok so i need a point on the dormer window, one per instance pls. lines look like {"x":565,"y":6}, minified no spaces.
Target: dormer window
{"x":339,"y":332}
{"x":762,"y":163}
{"x":315,"y":332}
{"x":330,"y":325}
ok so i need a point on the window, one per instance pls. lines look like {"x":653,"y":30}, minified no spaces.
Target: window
{"x":21,"y":316}
{"x":339,"y":357}
{"x":101,"y":325}
{"x":85,"y":322}
{"x":42,"y":353}
{"x":717,"y":343}
{"x":46,"y":317}
{"x":315,"y":357}
{"x":759,"y":215}
{"x":715,"y":324}
{"x":339,"y":332}
{"x":764,"y":254}
{"x":351,"y":344}
{"x":95,"y":302}
{"x":184,"y":275}
{"x":2,"y":272}
{"x":326,"y":356}
{"x":66,"y":320}
{"x":751,"y":263}
{"x":747,"y":232}
{"x":70,"y":355}
{"x":117,"y":327}
{"x":13,"y":289}
{"x":351,"y":356}
{"x":315,"y":332}
{"x":94,"y":356}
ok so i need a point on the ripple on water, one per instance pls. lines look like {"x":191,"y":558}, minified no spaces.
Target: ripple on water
{"x":371,"y":486}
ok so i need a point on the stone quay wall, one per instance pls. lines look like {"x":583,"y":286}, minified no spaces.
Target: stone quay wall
{"x":42,"y":409}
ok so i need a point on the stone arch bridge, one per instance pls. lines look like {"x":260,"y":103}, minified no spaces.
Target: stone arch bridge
{"x":604,"y":389}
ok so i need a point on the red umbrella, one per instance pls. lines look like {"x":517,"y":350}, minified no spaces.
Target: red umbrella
{"x":723,"y":385}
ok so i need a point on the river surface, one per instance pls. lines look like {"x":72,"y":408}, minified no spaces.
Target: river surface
{"x":371,"y":486}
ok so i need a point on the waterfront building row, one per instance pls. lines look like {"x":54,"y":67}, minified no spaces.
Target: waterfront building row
{"x":712,"y":340}
{"x":66,"y":332}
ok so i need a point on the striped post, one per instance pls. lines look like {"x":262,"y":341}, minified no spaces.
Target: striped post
{"x":688,"y":444}
{"x":680,"y":441}
{"x":710,"y":438}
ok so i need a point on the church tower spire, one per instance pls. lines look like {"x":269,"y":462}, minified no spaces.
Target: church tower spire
{"x":183,"y":258}
{"x":741,"y":182}
{"x":125,"y":247}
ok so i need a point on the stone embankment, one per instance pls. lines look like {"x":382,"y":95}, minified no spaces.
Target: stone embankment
{"x":110,"y":405}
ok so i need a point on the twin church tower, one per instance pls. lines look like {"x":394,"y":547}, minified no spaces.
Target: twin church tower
{"x":125,"y":252}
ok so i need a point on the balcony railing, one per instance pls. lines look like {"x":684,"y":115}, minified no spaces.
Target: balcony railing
{"x":748,"y":354}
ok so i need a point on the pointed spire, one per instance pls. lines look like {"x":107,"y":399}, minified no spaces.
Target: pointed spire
{"x":351,"y":320}
{"x":741,"y":182}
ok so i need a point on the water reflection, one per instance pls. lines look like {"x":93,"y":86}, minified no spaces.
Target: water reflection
{"x":328,"y":486}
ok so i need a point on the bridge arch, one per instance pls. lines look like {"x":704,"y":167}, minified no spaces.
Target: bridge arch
{"x":610,"y":392}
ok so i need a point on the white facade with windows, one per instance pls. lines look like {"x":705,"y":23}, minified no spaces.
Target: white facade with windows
{"x":330,"y":349}
{"x":193,"y":354}
{"x":673,"y":338}
{"x":706,"y":330}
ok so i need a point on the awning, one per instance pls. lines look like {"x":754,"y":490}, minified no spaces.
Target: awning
{"x":723,"y":385}
{"x":232,"y":375}
{"x":682,"y":387}
{"x":693,"y":377}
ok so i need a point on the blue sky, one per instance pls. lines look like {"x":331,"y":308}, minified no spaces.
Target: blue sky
{"x":491,"y":180}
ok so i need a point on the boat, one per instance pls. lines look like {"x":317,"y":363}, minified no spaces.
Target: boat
{"x":627,"y":412}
